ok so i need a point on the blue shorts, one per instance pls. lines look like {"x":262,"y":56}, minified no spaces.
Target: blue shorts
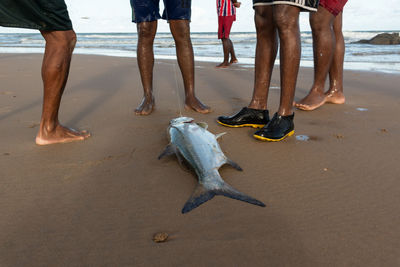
{"x":149,"y":10}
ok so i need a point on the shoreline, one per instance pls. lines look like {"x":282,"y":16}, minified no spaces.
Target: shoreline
{"x":330,"y":201}
{"x":244,"y":62}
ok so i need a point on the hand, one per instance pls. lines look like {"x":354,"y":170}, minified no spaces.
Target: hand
{"x":237,"y":4}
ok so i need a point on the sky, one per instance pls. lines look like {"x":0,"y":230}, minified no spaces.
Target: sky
{"x":115,"y":16}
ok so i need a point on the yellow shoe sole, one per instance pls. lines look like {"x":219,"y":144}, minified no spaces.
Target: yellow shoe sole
{"x":273,"y":140}
{"x":257,"y":126}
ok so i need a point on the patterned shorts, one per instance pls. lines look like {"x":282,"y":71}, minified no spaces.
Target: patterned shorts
{"x":305,"y":5}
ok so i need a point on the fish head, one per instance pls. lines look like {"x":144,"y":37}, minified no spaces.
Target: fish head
{"x":181,"y":120}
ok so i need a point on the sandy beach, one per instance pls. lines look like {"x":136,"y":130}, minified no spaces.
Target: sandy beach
{"x":330,"y":201}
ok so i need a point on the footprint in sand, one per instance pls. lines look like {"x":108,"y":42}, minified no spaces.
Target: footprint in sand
{"x":338,"y":136}
{"x":6,"y":93}
{"x":33,"y":125}
{"x":5,"y":109}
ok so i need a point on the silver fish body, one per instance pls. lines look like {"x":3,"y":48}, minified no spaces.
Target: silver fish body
{"x":201,"y":150}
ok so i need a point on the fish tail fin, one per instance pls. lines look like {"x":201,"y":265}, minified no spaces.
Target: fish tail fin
{"x":228,"y":191}
{"x":199,"y":196}
{"x":202,"y":195}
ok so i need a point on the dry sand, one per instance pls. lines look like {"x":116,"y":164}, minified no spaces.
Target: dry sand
{"x":331,"y":201}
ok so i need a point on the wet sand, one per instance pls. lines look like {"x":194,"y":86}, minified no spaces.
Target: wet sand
{"x":331,"y":201}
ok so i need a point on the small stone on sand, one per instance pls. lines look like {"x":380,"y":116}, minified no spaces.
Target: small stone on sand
{"x":160,"y":237}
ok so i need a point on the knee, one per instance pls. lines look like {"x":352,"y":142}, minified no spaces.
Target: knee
{"x":319,"y":24}
{"x":263,"y":19}
{"x":180,"y":30}
{"x":261,"y":24}
{"x":285,"y":23}
{"x":146,"y":31}
{"x":67,"y":40}
{"x":71,"y":40}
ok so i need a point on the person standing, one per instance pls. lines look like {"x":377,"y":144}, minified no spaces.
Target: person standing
{"x":51,"y":18}
{"x":273,"y":19}
{"x":329,"y":48}
{"x":145,"y":14}
{"x":226,"y":10}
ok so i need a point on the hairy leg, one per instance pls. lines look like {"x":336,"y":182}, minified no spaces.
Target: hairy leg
{"x":145,"y":58}
{"x":266,"y":50}
{"x":226,"y":48}
{"x":335,"y":92}
{"x":55,"y":70}
{"x":323,"y":44}
{"x":180,"y":30}
{"x":286,"y":18}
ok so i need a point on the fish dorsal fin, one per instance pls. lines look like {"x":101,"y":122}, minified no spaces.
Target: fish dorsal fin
{"x":219,"y":135}
{"x":233,"y":164}
{"x":203,"y":125}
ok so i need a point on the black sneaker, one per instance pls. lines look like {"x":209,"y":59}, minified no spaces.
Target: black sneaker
{"x":255,"y":118}
{"x":277,"y":129}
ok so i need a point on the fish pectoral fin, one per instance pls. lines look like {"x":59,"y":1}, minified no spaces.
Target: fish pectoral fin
{"x":181,"y":160}
{"x":169,"y":150}
{"x":173,"y":150}
{"x":199,"y":196}
{"x":233,"y":164}
{"x":203,"y":125}
{"x":219,"y":135}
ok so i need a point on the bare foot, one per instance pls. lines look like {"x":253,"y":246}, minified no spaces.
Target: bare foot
{"x":312,"y":101}
{"x":335,"y":97}
{"x":234,"y":60}
{"x":60,"y":134}
{"x":223,"y":65}
{"x":196,"y":105}
{"x":146,"y":106}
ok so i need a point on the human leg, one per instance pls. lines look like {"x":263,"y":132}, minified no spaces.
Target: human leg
{"x":180,"y":30}
{"x":226,"y":48}
{"x":256,"y":114}
{"x":286,"y":19}
{"x":335,"y":92}
{"x":266,"y":50}
{"x":55,"y":70}
{"x":232,"y":52}
{"x":145,"y":58}
{"x":323,"y":45}
{"x":224,"y":29}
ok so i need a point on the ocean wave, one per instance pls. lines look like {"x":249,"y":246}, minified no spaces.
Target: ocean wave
{"x":108,"y":36}
{"x":208,"y":47}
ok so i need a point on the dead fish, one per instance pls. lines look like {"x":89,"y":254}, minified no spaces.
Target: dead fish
{"x":199,"y":147}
